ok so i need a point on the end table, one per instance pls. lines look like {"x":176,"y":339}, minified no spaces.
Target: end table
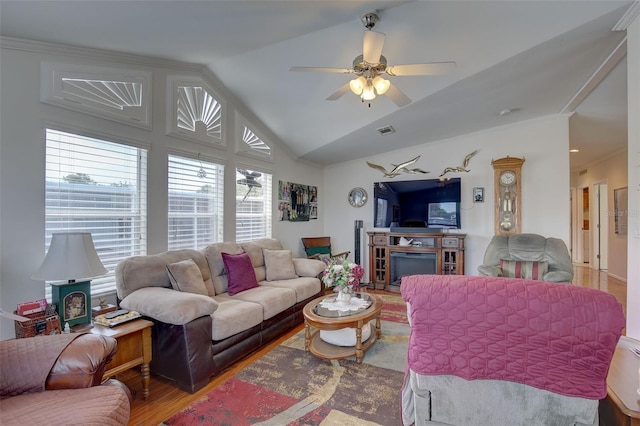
{"x":134,"y":348}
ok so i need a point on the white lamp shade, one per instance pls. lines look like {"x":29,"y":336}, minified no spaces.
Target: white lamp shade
{"x":357,"y":84}
{"x":381,"y":85}
{"x":71,"y":256}
{"x":368,"y":93}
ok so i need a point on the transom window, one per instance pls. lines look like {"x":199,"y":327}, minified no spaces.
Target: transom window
{"x":254,"y":143}
{"x":197,"y":112}
{"x":113,"y":93}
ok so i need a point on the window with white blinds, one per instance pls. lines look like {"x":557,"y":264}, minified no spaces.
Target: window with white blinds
{"x":253,"y":205}
{"x":99,"y":187}
{"x":196,"y":201}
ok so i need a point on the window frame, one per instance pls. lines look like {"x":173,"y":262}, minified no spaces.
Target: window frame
{"x":102,"y":241}
{"x":218,"y":199}
{"x":266,"y":212}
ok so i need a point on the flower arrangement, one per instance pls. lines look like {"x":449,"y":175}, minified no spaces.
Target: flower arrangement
{"x":343,"y":275}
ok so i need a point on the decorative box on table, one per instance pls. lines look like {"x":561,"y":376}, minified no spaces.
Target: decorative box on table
{"x":39,"y":324}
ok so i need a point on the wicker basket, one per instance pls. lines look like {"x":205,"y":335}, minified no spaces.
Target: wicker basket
{"x":39,"y":324}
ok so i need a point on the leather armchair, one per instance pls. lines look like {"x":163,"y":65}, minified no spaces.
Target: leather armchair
{"x":57,"y":380}
{"x":529,"y":248}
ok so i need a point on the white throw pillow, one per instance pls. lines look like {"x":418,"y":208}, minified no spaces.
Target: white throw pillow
{"x":279,"y":265}
{"x":186,"y":276}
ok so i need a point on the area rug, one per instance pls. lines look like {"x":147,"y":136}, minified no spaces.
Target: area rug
{"x":288,"y":386}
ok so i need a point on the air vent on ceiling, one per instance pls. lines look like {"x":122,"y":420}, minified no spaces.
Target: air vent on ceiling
{"x":582,"y":172}
{"x":386,"y":130}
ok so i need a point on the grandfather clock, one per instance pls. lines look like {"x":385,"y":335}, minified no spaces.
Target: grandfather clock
{"x":508,"y":195}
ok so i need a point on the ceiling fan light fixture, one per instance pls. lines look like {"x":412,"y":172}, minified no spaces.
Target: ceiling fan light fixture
{"x":357,"y":85}
{"x":381,"y":85}
{"x":368,"y":92}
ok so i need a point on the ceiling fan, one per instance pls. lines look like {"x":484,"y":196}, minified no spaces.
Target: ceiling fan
{"x":371,"y":65}
{"x":249,"y":180}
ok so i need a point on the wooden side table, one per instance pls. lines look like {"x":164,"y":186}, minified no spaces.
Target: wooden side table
{"x":134,"y":348}
{"x":621,"y":407}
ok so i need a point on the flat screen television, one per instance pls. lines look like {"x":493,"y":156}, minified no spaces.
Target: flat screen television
{"x":426,"y":203}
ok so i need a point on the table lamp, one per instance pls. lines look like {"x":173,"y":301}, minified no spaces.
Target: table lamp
{"x":71,"y":257}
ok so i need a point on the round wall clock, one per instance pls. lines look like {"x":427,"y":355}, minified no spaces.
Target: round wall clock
{"x":357,"y":197}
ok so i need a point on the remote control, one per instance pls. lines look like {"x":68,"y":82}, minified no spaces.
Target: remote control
{"x":112,"y":315}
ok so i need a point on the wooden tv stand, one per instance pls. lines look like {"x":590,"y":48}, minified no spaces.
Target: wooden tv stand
{"x":448,"y":250}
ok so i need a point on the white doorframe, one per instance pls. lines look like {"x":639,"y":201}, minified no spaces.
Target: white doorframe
{"x":573,"y":200}
{"x":581,"y":236}
{"x":601,"y":229}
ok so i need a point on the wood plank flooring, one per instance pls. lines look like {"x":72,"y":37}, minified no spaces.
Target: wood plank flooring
{"x":165,"y":399}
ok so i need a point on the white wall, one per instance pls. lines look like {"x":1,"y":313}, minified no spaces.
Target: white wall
{"x":613,"y":171}
{"x":633,"y":99}
{"x":545,"y":178}
{"x":23,"y":119}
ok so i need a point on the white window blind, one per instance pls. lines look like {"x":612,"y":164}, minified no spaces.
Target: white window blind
{"x":253,"y":205}
{"x":196,"y":201}
{"x":99,"y":187}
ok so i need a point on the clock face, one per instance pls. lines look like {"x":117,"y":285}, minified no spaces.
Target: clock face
{"x":508,"y":178}
{"x":357,"y":197}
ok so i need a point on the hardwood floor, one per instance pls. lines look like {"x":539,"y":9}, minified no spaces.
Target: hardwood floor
{"x":165,"y":399}
{"x":592,"y":278}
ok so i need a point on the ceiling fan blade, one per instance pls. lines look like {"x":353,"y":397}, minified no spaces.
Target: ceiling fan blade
{"x":321,"y":69}
{"x":397,"y":96}
{"x":338,"y":93}
{"x":433,"y":68}
{"x":372,"y":46}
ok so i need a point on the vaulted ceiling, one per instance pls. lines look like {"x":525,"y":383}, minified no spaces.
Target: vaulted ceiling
{"x":531,"y":58}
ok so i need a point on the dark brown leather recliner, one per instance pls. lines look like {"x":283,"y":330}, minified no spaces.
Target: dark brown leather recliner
{"x":57,"y":380}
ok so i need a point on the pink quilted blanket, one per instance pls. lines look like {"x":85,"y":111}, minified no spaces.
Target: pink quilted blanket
{"x":556,"y":337}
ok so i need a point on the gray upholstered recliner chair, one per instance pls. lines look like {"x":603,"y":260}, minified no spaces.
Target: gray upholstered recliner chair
{"x":521,"y":255}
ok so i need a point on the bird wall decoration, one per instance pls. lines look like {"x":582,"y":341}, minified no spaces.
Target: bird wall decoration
{"x":458,"y":169}
{"x":398,"y":168}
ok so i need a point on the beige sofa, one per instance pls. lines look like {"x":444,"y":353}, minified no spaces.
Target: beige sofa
{"x":201,"y":326}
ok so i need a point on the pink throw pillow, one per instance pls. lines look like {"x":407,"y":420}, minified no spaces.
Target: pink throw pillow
{"x":523,"y":269}
{"x":240,"y":273}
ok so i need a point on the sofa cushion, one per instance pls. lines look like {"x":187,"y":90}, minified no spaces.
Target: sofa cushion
{"x":233,"y":316}
{"x":186,"y":276}
{"x":308,"y":267}
{"x":254,"y":249}
{"x":240,"y":272}
{"x":523,"y":269}
{"x":213,"y":256}
{"x":273,"y":300}
{"x":101,"y":405}
{"x":151,"y":271}
{"x":168,"y":305}
{"x":279,"y":264}
{"x":305,"y":287}
{"x":318,"y":250}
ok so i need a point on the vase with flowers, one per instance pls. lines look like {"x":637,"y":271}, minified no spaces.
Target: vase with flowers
{"x":344,"y":276}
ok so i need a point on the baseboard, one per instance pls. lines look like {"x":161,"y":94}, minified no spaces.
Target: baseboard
{"x":624,"y":280}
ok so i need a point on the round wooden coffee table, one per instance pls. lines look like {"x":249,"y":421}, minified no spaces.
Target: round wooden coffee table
{"x":323,"y":319}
